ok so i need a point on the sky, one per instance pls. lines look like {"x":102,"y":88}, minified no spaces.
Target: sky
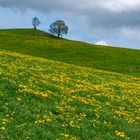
{"x":109,"y":22}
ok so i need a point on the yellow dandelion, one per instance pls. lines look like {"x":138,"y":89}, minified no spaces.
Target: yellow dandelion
{"x":120,"y":134}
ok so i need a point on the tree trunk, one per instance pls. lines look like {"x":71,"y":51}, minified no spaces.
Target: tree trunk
{"x":35,"y":28}
{"x":59,"y":33}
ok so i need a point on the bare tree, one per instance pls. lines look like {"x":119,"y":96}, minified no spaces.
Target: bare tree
{"x":59,"y":28}
{"x":35,"y":22}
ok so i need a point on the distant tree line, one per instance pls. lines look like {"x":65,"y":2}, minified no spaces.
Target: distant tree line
{"x":58,"y":27}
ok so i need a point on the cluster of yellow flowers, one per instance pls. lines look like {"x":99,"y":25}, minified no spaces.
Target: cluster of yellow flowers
{"x":67,"y":137}
{"x":75,"y":85}
{"x":120,"y":133}
{"x":3,"y":124}
{"x":44,"y":119}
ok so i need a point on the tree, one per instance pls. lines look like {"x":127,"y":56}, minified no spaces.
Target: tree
{"x":59,"y":28}
{"x":35,"y":22}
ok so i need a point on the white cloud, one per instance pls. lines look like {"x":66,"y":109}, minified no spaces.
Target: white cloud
{"x":121,"y":5}
{"x":102,"y":42}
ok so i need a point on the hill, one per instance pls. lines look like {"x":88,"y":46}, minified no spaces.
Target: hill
{"x":44,"y":45}
{"x":58,"y":89}
{"x":45,"y":99}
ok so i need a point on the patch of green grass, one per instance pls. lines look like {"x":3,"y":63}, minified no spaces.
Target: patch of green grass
{"x":45,"y":99}
{"x":41,"y":44}
{"x":42,"y":98}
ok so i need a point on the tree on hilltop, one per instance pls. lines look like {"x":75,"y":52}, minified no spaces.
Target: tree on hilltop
{"x":35,"y":22}
{"x":58,"y":28}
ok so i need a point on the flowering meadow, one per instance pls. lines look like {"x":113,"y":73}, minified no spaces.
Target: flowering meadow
{"x":42,"y":99}
{"x":40,"y":44}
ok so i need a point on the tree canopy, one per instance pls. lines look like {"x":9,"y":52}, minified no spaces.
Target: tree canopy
{"x":36,"y":22}
{"x":58,"y":28}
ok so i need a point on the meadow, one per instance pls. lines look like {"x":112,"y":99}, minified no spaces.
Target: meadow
{"x":41,"y":44}
{"x":45,"y":99}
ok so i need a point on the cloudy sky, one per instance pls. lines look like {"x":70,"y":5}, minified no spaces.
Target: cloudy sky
{"x":109,"y":22}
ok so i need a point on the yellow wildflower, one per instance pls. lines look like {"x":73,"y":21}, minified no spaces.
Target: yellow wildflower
{"x":120,"y":134}
{"x":18,"y":99}
{"x":2,"y":128}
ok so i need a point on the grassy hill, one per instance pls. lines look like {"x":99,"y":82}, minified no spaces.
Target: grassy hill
{"x":41,"y":44}
{"x":44,"y":99}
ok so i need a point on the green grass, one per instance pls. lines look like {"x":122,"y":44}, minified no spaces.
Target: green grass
{"x":44,"y":99}
{"x":41,"y":44}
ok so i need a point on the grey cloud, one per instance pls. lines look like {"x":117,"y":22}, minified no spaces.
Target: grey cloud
{"x":98,"y":14}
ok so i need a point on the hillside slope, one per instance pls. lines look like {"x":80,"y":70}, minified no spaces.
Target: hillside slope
{"x":41,"y":44}
{"x":45,"y":99}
